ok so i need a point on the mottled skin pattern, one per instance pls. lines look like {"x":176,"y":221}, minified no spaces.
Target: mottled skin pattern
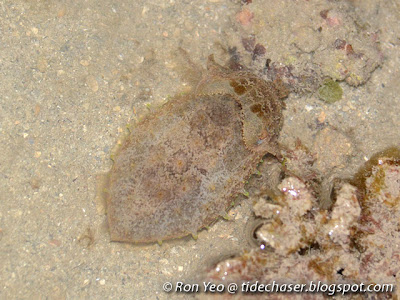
{"x":180,"y":167}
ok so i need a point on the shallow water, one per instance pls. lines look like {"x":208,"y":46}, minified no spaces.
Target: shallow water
{"x":73,"y":75}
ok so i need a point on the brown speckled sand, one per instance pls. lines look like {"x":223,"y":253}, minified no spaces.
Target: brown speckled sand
{"x":73,"y":74}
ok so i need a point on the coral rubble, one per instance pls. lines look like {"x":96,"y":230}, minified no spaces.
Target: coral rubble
{"x":355,"y":240}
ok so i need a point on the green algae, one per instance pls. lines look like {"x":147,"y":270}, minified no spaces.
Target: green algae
{"x":330,"y":91}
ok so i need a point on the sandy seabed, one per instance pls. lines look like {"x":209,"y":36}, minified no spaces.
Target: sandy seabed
{"x":73,"y":74}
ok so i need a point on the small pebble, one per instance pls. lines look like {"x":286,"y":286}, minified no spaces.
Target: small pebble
{"x":144,"y":10}
{"x":41,"y":64}
{"x":55,"y":243}
{"x":164,"y":261}
{"x":84,"y":62}
{"x":244,"y":17}
{"x":37,"y":110}
{"x":92,"y":83}
{"x":322,"y":117}
{"x":86,"y":282}
{"x":309,"y":107}
{"x":61,"y":12}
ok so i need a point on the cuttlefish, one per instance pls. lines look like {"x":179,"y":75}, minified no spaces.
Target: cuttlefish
{"x":181,"y":166}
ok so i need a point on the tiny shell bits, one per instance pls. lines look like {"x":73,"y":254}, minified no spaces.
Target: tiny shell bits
{"x":180,"y":167}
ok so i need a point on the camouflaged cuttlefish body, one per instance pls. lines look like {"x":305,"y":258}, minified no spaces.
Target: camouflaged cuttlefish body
{"x":180,"y":167}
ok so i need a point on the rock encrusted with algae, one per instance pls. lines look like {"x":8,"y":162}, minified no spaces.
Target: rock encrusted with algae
{"x":378,"y":238}
{"x":180,"y":167}
{"x":282,"y":231}
{"x":305,"y":42}
{"x":356,"y":240}
{"x":344,"y":216}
